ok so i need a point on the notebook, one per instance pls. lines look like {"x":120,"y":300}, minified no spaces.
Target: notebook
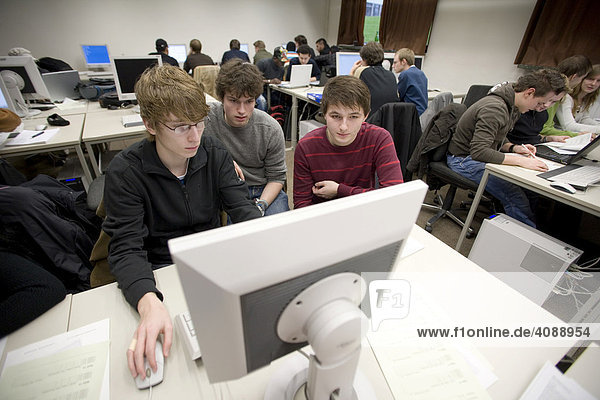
{"x":546,"y":152}
{"x":299,"y":77}
{"x":62,"y":84}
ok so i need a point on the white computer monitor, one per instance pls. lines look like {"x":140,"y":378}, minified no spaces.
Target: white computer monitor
{"x":127,"y":71}
{"x":344,"y":62}
{"x":96,"y":55}
{"x":23,"y":81}
{"x":244,"y":48}
{"x":5,"y":99}
{"x":178,"y":52}
{"x":238,"y":279}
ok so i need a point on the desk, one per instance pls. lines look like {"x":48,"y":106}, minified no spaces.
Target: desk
{"x":69,"y":137}
{"x":183,"y":378}
{"x":588,"y":201}
{"x":53,"y":322}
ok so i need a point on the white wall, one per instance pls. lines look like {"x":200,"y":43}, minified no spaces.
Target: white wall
{"x":56,"y":28}
{"x":475,"y":42}
{"x":472,"y":41}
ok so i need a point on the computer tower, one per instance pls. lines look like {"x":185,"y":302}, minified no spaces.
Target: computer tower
{"x":526,"y":259}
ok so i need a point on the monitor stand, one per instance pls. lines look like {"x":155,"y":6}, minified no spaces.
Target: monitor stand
{"x":326,"y":314}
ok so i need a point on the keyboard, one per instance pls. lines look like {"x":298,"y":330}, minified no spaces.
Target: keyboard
{"x":185,"y":327}
{"x":549,"y":154}
{"x":576,"y":175}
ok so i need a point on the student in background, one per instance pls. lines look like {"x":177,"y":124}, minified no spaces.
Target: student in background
{"x":573,"y":113}
{"x":322,"y":46}
{"x":234,"y":52}
{"x":253,"y":137}
{"x":380,"y":81}
{"x":480,"y":136}
{"x":272,"y":68}
{"x":173,"y":183}
{"x":301,"y":40}
{"x":303,"y":59}
{"x":575,"y":68}
{"x":259,"y":52}
{"x":343,"y":157}
{"x":196,"y":57}
{"x":412,"y":82}
{"x":162,"y":49}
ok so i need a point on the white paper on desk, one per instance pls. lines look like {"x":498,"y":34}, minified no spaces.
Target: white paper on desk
{"x":76,"y":344}
{"x":550,"y":383}
{"x":27,"y":137}
{"x":419,"y":370}
{"x":575,"y":143}
{"x":411,"y":246}
{"x":69,"y":104}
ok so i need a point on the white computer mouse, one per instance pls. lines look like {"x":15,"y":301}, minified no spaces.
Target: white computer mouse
{"x":152,"y":378}
{"x":40,"y":127}
{"x":564,"y":186}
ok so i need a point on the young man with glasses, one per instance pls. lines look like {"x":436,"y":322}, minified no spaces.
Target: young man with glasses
{"x":170,"y":184}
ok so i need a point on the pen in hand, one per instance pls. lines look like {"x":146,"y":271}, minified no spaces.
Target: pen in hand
{"x":529,"y":151}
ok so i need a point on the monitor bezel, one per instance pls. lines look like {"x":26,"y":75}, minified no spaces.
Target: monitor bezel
{"x":33,"y":74}
{"x":129,"y":96}
{"x":95,"y":65}
{"x":5,"y":93}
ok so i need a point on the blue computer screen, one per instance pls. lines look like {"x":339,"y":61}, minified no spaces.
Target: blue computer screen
{"x":345,"y":61}
{"x":95,"y":54}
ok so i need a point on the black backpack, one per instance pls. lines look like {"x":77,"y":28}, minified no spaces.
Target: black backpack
{"x":53,"y":64}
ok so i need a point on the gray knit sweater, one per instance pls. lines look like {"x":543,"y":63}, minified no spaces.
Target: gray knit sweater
{"x":258,"y":147}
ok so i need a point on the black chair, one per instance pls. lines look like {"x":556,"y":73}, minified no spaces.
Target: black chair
{"x":433,"y":153}
{"x":402,"y":121}
{"x":475,"y":93}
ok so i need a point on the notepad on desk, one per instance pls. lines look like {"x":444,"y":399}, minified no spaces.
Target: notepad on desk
{"x":132,"y":120}
{"x":26,"y":137}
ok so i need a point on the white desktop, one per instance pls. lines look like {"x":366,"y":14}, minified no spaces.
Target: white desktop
{"x":96,"y":56}
{"x":238,"y":299}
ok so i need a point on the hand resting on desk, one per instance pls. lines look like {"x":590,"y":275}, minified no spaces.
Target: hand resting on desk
{"x":154,"y":320}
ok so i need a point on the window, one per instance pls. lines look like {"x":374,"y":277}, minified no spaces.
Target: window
{"x":372,"y":18}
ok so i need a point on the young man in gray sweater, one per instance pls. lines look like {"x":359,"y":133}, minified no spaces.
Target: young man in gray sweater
{"x":254,"y":139}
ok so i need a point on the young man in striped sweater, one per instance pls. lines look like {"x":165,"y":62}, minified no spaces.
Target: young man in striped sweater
{"x":343,"y":157}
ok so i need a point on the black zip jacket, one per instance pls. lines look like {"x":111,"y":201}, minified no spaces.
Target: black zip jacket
{"x":146,"y":205}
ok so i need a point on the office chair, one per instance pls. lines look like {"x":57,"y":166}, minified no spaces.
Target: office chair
{"x":435,"y":106}
{"x":207,"y":76}
{"x":475,"y":93}
{"x":430,"y":159}
{"x":402,"y":121}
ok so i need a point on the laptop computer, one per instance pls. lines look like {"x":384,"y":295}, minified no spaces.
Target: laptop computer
{"x":62,"y":84}
{"x":546,"y":152}
{"x":299,"y":77}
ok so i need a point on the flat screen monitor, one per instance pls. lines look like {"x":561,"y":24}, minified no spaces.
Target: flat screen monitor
{"x":238,"y":279}
{"x":5,"y":99}
{"x":178,"y":52}
{"x":388,"y":59}
{"x":127,"y":71}
{"x":96,"y":55}
{"x":22,"y":73}
{"x":344,"y":62}
{"x":244,"y":48}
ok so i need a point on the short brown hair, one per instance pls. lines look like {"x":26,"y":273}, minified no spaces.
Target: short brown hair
{"x":406,"y":54}
{"x":234,"y":44}
{"x":575,"y":65}
{"x":347,"y":91}
{"x":196,"y":46}
{"x":372,"y":53}
{"x":165,"y":90}
{"x":239,"y":78}
{"x":543,"y":81}
{"x":260,"y":44}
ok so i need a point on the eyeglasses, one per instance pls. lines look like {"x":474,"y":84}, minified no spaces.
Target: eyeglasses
{"x":185,"y":129}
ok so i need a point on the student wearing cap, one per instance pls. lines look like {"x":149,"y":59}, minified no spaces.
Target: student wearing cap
{"x":162,"y":49}
{"x":272,"y":70}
